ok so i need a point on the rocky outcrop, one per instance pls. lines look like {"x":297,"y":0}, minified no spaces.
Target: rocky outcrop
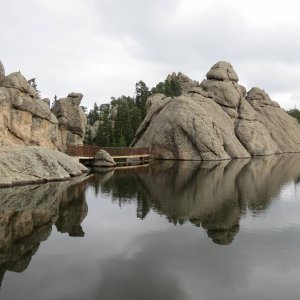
{"x":71,"y":118}
{"x":103,"y":159}
{"x":92,"y":129}
{"x":35,"y":164}
{"x":217,"y":121}
{"x":183,"y":81}
{"x":25,"y":119}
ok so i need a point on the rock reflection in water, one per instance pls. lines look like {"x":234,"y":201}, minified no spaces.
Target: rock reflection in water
{"x":213,"y":195}
{"x":27,"y":214}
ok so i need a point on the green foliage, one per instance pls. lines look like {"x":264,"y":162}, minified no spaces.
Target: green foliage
{"x":127,"y":120}
{"x":119,"y":120}
{"x":294,"y":113}
{"x":93,"y":115}
{"x":142,"y":93}
{"x":88,"y":140}
{"x":104,"y":130}
{"x":170,"y":88}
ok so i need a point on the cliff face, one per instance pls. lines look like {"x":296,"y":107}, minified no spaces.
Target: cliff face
{"x":218,"y":120}
{"x":25,"y":119}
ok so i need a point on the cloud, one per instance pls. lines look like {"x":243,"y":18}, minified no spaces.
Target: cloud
{"x":101,"y":48}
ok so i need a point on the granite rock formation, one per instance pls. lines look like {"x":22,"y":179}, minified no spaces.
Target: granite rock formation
{"x":25,"y":119}
{"x":184,"y":81}
{"x":217,"y":121}
{"x":33,"y":164}
{"x":71,"y":118}
{"x":103,"y":159}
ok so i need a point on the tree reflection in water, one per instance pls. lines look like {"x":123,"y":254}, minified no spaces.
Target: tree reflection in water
{"x":213,"y":195}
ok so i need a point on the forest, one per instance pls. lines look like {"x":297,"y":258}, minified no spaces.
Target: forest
{"x":115,"y":123}
{"x":294,"y":113}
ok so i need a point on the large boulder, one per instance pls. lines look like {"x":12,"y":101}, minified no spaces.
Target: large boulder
{"x":222,"y":71}
{"x":222,"y":82}
{"x":189,"y":127}
{"x":22,"y":165}
{"x":103,"y":159}
{"x":71,"y":117}
{"x":217,"y":121}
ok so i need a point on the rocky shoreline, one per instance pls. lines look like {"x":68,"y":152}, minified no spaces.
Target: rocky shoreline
{"x":32,"y":164}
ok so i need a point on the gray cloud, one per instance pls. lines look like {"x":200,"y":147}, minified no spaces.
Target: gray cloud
{"x":102,"y":48}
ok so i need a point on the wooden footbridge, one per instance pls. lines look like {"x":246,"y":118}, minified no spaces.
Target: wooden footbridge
{"x":121,"y":155}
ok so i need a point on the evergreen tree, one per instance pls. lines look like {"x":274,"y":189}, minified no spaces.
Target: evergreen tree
{"x":119,"y":120}
{"x":104,"y":131}
{"x":93,"y":115}
{"x":142,"y":93}
{"x":88,"y":140}
{"x":170,"y":88}
{"x":294,"y":113}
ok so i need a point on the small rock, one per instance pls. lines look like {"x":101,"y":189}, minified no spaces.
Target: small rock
{"x":103,"y":159}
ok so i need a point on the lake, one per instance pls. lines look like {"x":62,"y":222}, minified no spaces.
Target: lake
{"x":170,"y":230}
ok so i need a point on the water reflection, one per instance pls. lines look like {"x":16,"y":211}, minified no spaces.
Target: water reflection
{"x":240,"y":203}
{"x":27,"y":214}
{"x":213,"y":195}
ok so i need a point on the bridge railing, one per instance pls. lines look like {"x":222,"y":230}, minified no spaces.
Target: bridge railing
{"x":91,"y":150}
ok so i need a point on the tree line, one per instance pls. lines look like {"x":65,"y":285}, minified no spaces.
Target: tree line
{"x":116,"y":122}
{"x":294,"y":113}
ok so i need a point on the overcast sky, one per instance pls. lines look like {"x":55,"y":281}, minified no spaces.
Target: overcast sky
{"x":101,"y":48}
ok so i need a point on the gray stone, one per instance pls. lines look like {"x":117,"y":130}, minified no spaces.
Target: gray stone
{"x":260,"y":97}
{"x":103,"y":159}
{"x":226,"y":93}
{"x":93,"y":129}
{"x":154,"y":99}
{"x":215,"y":122}
{"x":47,"y":101}
{"x":71,"y":116}
{"x":189,"y":128}
{"x":283,"y":129}
{"x":75,"y":98}
{"x":222,"y":71}
{"x":18,"y":81}
{"x":21,"y":165}
{"x":184,"y":81}
{"x":25,"y":119}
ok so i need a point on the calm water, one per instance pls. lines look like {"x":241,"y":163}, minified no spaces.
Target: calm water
{"x":228,"y":230}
